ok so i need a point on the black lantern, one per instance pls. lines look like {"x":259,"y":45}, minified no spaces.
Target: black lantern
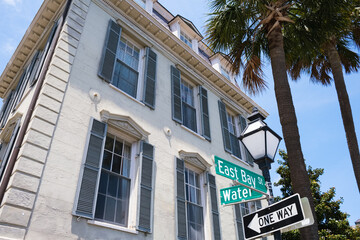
{"x":261,"y":141}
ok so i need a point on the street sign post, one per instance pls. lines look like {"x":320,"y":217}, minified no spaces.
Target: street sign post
{"x":274,"y":217}
{"x":243,"y":176}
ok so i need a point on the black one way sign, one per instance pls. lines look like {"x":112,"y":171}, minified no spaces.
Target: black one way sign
{"x":275,"y":217}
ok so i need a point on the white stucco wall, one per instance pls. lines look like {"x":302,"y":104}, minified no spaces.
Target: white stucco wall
{"x":52,"y":214}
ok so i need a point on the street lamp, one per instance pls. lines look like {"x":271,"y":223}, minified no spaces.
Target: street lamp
{"x":262,"y":143}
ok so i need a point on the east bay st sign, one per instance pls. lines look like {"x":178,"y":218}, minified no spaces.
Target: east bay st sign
{"x":243,"y":176}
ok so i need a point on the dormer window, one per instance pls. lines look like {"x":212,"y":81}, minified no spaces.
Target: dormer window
{"x":186,"y":39}
{"x":225,"y":72}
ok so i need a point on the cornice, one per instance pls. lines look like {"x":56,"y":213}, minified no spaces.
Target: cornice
{"x":32,"y":37}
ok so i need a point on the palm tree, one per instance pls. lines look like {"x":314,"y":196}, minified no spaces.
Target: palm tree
{"x":327,"y":29}
{"x":247,"y":31}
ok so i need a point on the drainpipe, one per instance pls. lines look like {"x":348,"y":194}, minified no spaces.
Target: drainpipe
{"x":31,"y":108}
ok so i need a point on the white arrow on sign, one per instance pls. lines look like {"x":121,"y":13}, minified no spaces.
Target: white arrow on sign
{"x":277,"y":216}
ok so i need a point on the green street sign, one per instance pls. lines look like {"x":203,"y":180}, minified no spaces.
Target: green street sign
{"x":242,"y":175}
{"x":237,"y":194}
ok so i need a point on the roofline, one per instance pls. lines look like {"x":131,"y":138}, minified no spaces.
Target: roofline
{"x":29,"y":41}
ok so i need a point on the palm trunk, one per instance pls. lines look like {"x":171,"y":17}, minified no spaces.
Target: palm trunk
{"x":298,"y":174}
{"x":345,"y":108}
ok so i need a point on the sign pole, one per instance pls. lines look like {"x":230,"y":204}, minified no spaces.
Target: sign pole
{"x":266,"y":173}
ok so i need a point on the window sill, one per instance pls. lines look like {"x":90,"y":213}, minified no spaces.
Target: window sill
{"x":112,"y":226}
{"x":127,"y":95}
{"x":191,"y":131}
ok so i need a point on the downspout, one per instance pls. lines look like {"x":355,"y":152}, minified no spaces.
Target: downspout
{"x":32,"y":105}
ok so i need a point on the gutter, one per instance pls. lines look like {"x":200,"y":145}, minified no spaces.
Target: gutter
{"x":23,"y":129}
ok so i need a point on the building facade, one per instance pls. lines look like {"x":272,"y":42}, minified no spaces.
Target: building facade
{"x":113,"y":112}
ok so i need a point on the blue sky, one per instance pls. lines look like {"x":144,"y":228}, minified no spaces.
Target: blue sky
{"x":319,"y":120}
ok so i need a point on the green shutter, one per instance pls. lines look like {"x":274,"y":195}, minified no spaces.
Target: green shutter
{"x":214,"y":207}
{"x":176,"y":95}
{"x":204,"y":113}
{"x":44,"y":54}
{"x":180,"y":200}
{"x":243,"y":125}
{"x":224,"y":127}
{"x":107,"y":64}
{"x":238,"y":220}
{"x":235,"y":145}
{"x":150,"y":78}
{"x":85,"y":205}
{"x":146,"y":186}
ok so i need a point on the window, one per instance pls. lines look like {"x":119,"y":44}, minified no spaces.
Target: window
{"x":244,"y":209}
{"x":107,"y":192}
{"x":225,"y":72}
{"x":114,"y":189}
{"x":123,"y":67}
{"x":188,"y":106}
{"x":190,"y":198}
{"x":186,"y":39}
{"x":127,"y":68}
{"x":195,"y":221}
{"x":232,"y":126}
{"x":188,"y":110}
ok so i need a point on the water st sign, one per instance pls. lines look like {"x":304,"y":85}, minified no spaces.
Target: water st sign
{"x":275,"y":217}
{"x":239,"y":174}
{"x":237,"y":194}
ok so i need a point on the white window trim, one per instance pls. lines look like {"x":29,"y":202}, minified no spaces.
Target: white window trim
{"x":141,"y":68}
{"x":196,"y":98}
{"x":203,"y":192}
{"x":128,"y":135}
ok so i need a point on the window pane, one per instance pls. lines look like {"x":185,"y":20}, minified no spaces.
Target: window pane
{"x":125,"y":79}
{"x":126,"y":167}
{"x":107,"y":160}
{"x":103,"y":182}
{"x":124,"y":188}
{"x":191,"y":178}
{"x":110,"y":209}
{"x":100,"y":206}
{"x":109,"y":143}
{"x":112,"y":185}
{"x":116,"y":163}
{"x":121,"y":212}
{"x":118,"y":147}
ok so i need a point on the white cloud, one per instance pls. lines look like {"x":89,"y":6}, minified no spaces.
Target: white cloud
{"x":12,"y":2}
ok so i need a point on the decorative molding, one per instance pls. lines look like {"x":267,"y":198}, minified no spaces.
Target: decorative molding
{"x":6,"y":132}
{"x":195,"y":159}
{"x":125,"y":124}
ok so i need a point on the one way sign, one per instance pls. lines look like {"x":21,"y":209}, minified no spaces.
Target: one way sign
{"x":275,"y":217}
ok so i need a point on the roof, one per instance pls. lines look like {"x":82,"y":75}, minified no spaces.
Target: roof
{"x":188,"y":23}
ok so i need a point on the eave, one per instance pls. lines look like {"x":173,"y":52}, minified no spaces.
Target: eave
{"x":33,"y":35}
